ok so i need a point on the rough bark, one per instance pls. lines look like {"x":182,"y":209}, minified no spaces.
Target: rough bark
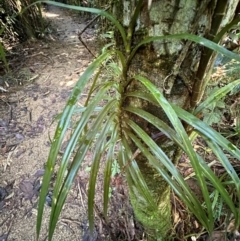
{"x":175,"y":68}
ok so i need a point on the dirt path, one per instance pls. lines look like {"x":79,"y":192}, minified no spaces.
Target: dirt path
{"x":49,"y":70}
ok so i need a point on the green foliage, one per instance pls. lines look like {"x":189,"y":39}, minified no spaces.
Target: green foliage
{"x":214,"y":112}
{"x":2,"y":51}
{"x":19,"y":21}
{"x":235,"y":90}
{"x":103,"y":126}
{"x":115,"y":168}
{"x":217,"y":205}
{"x":17,"y":26}
{"x":214,"y":106}
{"x":3,"y":56}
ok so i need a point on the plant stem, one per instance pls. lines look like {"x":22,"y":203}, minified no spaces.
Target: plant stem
{"x":132,"y":25}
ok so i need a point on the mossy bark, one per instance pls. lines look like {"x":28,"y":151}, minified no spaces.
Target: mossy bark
{"x":157,"y":222}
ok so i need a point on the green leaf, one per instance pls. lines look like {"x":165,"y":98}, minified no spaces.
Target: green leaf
{"x":60,"y":132}
{"x":197,"y":39}
{"x":115,"y":168}
{"x":207,"y":131}
{"x":170,"y":112}
{"x":74,"y":140}
{"x":220,"y":104}
{"x":226,"y":164}
{"x":216,"y":96}
{"x":3,"y":54}
{"x":235,"y":90}
{"x":100,"y":148}
{"x":85,"y":142}
{"x":205,"y":168}
{"x":134,"y":176}
{"x":116,"y":69}
{"x":84,"y":145}
{"x":181,"y":188}
{"x":108,"y":168}
{"x":237,"y":128}
{"x":159,"y":124}
{"x":217,"y":183}
{"x":82,"y":109}
{"x":197,"y":124}
{"x":212,"y":117}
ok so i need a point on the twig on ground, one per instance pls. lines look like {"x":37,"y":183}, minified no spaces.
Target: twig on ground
{"x":9,"y":230}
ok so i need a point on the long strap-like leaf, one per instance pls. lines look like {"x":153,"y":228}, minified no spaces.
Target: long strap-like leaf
{"x":61,"y":129}
{"x":112,"y":144}
{"x":161,"y":160}
{"x":100,"y":148}
{"x":207,"y":131}
{"x":134,"y":175}
{"x":84,"y":146}
{"x":197,"y":39}
{"x":176,"y":123}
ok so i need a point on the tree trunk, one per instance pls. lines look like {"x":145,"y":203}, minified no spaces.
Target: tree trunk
{"x":179,"y":68}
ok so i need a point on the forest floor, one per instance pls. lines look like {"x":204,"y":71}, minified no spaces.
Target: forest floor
{"x":44,"y":72}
